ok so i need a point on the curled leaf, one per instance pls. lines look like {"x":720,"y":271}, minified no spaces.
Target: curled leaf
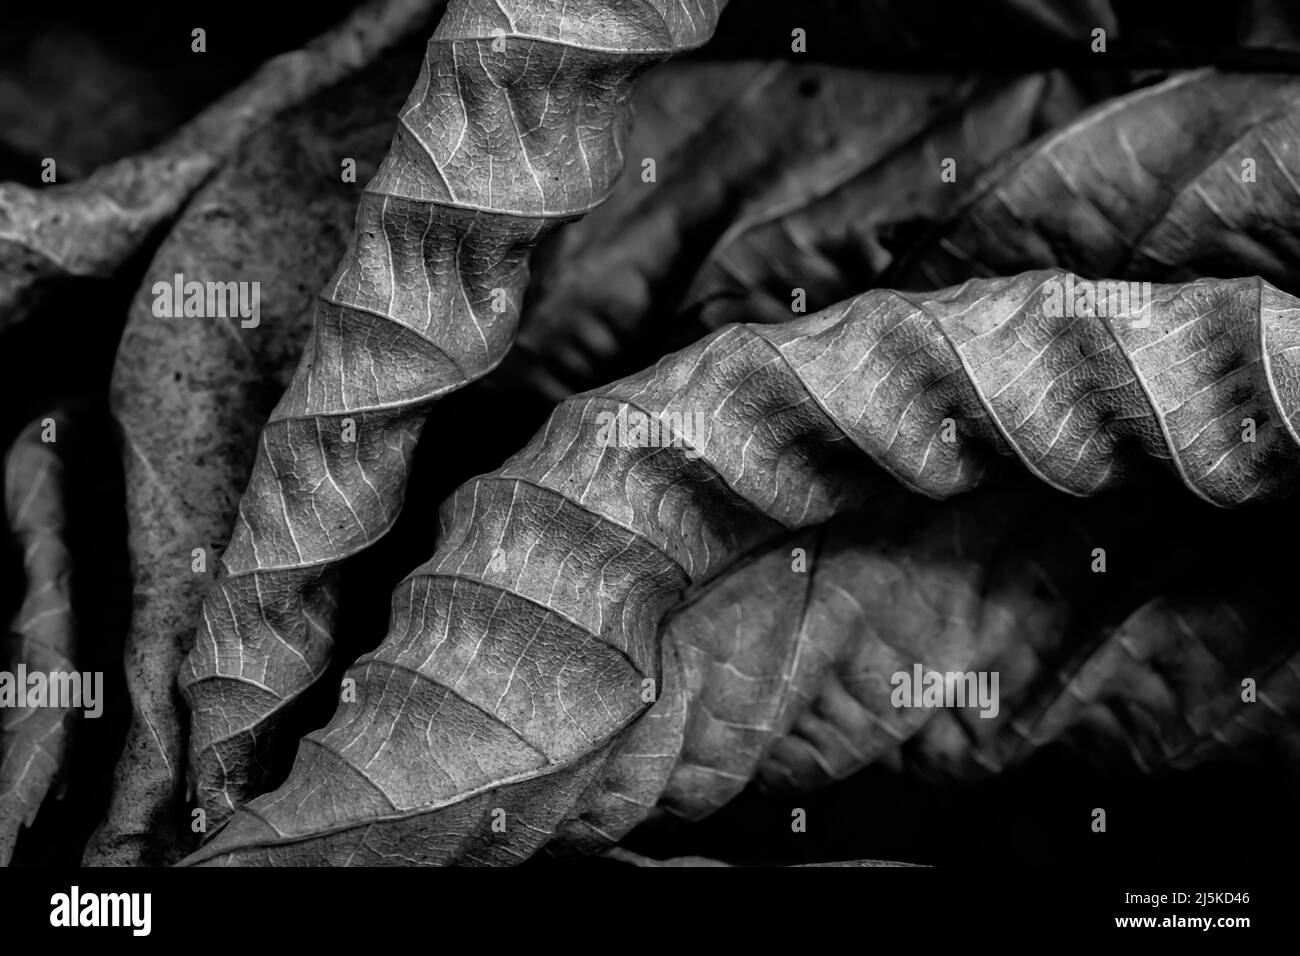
{"x":791,"y":656}
{"x":515,"y":125}
{"x":190,"y":395}
{"x":520,"y":655}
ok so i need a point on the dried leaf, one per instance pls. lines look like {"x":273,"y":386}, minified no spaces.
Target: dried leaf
{"x":745,"y":219}
{"x":675,"y":102}
{"x":520,"y":655}
{"x":1163,"y":692}
{"x":190,"y":396}
{"x":830,"y":239}
{"x":1179,"y":195}
{"x":516,"y":124}
{"x":34,"y":741}
{"x":92,"y":227}
{"x":798,"y":132}
{"x":998,"y":582}
{"x":1194,"y":176}
{"x":788,"y":655}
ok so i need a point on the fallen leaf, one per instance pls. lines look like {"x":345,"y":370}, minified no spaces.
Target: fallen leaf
{"x":524,"y":650}
{"x":1139,"y":668}
{"x":785,"y":190}
{"x":190,"y":396}
{"x":424,"y":302}
{"x":789,"y":655}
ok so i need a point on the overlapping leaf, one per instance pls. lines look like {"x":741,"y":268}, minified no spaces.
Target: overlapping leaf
{"x":803,"y":703}
{"x":190,"y":396}
{"x":790,"y":189}
{"x":425,"y":301}
{"x":830,"y":228}
{"x":788,"y":655}
{"x":1206,"y":186}
{"x":1141,"y":664}
{"x":521,"y":653}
